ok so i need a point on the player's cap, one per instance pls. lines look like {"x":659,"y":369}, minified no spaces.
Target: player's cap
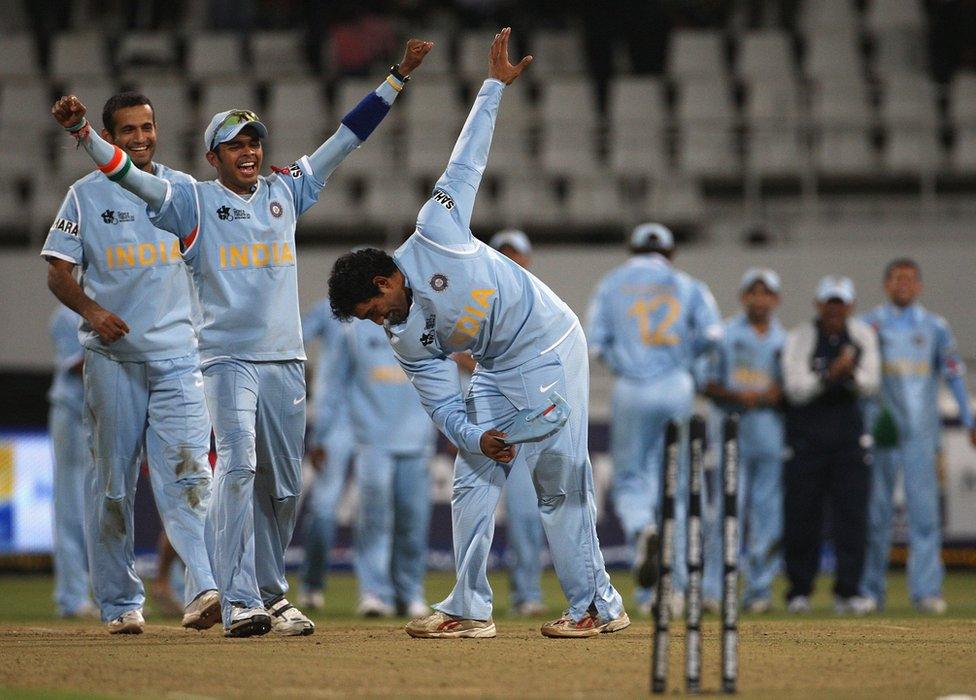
{"x":760,"y":274}
{"x":226,"y":125}
{"x":836,"y":287}
{"x":514,"y":238}
{"x":652,"y":236}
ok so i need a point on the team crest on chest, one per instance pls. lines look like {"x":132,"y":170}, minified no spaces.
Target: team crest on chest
{"x":276,"y":209}
{"x":438,"y":282}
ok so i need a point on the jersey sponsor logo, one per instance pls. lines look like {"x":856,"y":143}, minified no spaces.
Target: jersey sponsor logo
{"x":276,"y":209}
{"x":428,"y":336}
{"x":295,"y":170}
{"x":256,"y":255}
{"x":469,"y":324}
{"x":438,"y":282}
{"x":443,"y":199}
{"x":225,"y":213}
{"x":110,"y":216}
{"x":69,"y":227}
{"x":120,"y":257}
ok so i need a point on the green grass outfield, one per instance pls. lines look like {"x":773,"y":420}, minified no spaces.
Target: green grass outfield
{"x":27,"y":598}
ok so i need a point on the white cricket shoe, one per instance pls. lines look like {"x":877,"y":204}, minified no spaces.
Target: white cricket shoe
{"x":530,"y":608}
{"x":646,"y":557}
{"x":129,"y":622}
{"x":759,"y":606}
{"x":312,"y":599}
{"x":289,"y":621}
{"x":855,"y":605}
{"x":371,"y":606}
{"x":417,"y":608}
{"x":440,"y":625}
{"x":798,"y":605}
{"x":932,"y":605}
{"x":203,"y":612}
{"x":590,"y":625}
{"x":248,"y":622}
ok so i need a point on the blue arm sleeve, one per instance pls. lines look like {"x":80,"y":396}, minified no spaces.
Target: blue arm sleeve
{"x":64,"y":239}
{"x":436,"y":381}
{"x":953,"y":370}
{"x":446,"y":217}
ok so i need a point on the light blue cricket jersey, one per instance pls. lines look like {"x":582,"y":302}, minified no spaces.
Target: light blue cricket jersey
{"x":329,"y":416}
{"x":648,"y":319}
{"x":128,"y":266}
{"x":67,"y":388}
{"x":384,"y":408}
{"x":917,"y":347}
{"x":242,"y":255}
{"x":747,"y":361}
{"x":467,"y":296}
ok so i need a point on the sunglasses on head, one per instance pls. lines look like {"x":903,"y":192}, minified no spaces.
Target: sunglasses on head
{"x":238,"y":116}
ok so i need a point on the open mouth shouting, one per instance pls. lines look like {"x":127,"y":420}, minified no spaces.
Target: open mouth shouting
{"x":247,"y":167}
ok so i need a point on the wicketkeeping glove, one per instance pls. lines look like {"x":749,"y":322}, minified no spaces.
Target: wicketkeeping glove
{"x":536,"y":424}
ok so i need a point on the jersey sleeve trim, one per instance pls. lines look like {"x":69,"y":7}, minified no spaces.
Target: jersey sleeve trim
{"x":48,"y":253}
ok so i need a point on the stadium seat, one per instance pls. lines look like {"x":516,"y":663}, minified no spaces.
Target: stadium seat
{"x":18,"y":57}
{"x":277,"y":55}
{"x":672,"y":199}
{"x":639,"y":154}
{"x":472,"y":55}
{"x":697,"y":54}
{"x":831,"y":55}
{"x":215,"y":55}
{"x":21,"y":156}
{"x":569,"y":149}
{"x":900,"y":50}
{"x":635,"y":103}
{"x":430,"y":134}
{"x":393,"y":201}
{"x":909,"y":101}
{"x":776,"y":151}
{"x":706,"y":151}
{"x":913,"y":150}
{"x":962,"y":101}
{"x":569,"y":101}
{"x":830,"y":16}
{"x":773,"y":101}
{"x":336,"y":206}
{"x":15,"y":215}
{"x":94,"y":93}
{"x":844,"y":151}
{"x":220,"y":95}
{"x":595,"y":202}
{"x":964,"y":151}
{"x":173,"y":108}
{"x":147,"y":53}
{"x":79,"y":55}
{"x":705,"y":101}
{"x":528,"y":201}
{"x":555,"y":53}
{"x":763,"y":54}
{"x":894,"y":14}
{"x":297,"y":107}
{"x":47,"y":195}
{"x":840,"y":101}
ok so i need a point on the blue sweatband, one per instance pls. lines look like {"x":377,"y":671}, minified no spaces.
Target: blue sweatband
{"x":366,"y":116}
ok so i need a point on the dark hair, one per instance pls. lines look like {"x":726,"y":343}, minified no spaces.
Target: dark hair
{"x":121,"y":101}
{"x":644,"y":249}
{"x":351,"y":280}
{"x":898,"y":263}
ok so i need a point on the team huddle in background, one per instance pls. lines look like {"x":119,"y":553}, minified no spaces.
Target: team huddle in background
{"x":190,"y":324}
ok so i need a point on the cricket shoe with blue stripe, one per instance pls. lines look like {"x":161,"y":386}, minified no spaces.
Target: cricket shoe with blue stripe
{"x":439,"y":625}
{"x":590,"y":625}
{"x":248,"y":622}
{"x":287,"y":620}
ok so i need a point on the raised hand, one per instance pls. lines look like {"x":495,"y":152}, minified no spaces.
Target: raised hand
{"x":499,"y":67}
{"x":414,"y":54}
{"x":68,"y":111}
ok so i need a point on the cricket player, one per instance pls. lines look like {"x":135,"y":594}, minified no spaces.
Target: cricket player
{"x":331,"y":447}
{"x":237,"y":234}
{"x":444,"y":292}
{"x":143,"y":387}
{"x":744,"y":378}
{"x":394,"y":443}
{"x":917,"y":349}
{"x":648,"y":321}
{"x":72,"y":466}
{"x":523,"y":526}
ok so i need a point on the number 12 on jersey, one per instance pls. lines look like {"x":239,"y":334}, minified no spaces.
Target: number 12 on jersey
{"x":659,"y":332}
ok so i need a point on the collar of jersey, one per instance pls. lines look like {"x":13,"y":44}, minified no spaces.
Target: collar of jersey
{"x":233,"y":193}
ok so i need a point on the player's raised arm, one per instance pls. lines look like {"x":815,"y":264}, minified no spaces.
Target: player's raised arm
{"x":456,"y":189}
{"x":69,"y":112}
{"x":363,"y":119}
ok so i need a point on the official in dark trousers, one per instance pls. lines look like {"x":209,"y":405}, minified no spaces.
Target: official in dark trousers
{"x":828,"y":366}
